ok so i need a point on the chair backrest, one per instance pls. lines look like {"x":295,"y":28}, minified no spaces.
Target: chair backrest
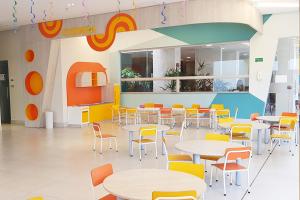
{"x":183,"y":195}
{"x":100,"y":173}
{"x":241,"y":128}
{"x":225,"y":120}
{"x":196,"y":106}
{"x":191,"y":111}
{"x":289,"y":114}
{"x":148,"y":131}
{"x":131,"y":110}
{"x":237,"y":153}
{"x":97,"y":129}
{"x":217,"y":106}
{"x":189,"y":168}
{"x":287,"y":122}
{"x":217,"y":137}
{"x":158,"y":105}
{"x":165,"y":111}
{"x":177,"y":106}
{"x":149,"y":105}
{"x":254,"y":116}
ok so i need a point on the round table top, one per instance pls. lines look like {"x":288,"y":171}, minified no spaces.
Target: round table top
{"x":136,"y":127}
{"x":138,"y":184}
{"x":255,"y":125}
{"x":269,"y":118}
{"x":206,"y":147}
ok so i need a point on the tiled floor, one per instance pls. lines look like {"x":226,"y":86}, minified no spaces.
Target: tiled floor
{"x":56,"y":164}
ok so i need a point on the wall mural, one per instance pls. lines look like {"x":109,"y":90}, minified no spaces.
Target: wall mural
{"x":50,"y":29}
{"x":31,"y":112}
{"x":120,"y":22}
{"x":34,"y":83}
{"x":29,"y":55}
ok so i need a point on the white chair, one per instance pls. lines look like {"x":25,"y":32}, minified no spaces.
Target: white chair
{"x":99,"y":135}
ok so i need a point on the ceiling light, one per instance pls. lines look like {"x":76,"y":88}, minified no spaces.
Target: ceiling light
{"x":208,"y":45}
{"x":277,"y":4}
{"x":188,"y":57}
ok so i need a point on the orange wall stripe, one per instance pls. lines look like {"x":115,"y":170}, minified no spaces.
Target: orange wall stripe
{"x":119,"y":23}
{"x":50,"y":29}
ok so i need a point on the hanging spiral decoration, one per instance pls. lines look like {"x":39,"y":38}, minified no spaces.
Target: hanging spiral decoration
{"x":44,"y":16}
{"x":31,"y":12}
{"x":119,"y":6}
{"x":87,"y":14}
{"x":14,"y":13}
{"x":163,"y":14}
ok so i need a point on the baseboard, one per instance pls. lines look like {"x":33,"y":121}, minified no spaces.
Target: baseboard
{"x":18,"y":122}
{"x":60,"y":125}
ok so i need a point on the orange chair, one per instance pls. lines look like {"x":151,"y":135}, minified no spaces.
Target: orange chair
{"x":158,"y":105}
{"x":230,"y":165}
{"x":98,"y":175}
{"x":98,"y":134}
{"x":289,"y":114}
{"x":253,"y":116}
{"x":166,"y":114}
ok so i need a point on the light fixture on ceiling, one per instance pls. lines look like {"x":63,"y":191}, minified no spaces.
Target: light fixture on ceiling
{"x":208,"y":45}
{"x":69,"y":5}
{"x":188,"y":57}
{"x":276,"y":4}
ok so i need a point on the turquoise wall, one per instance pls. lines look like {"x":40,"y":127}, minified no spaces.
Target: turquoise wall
{"x":245,"y":102}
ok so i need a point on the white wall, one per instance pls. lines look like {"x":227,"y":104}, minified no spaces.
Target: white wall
{"x":265,"y":45}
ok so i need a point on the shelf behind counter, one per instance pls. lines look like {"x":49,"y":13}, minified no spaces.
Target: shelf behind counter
{"x":82,"y":115}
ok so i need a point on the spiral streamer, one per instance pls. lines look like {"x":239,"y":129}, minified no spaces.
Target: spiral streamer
{"x":44,"y":16}
{"x":31,"y":12}
{"x":119,"y":6}
{"x":14,"y":13}
{"x":134,"y":8}
{"x":163,"y":14}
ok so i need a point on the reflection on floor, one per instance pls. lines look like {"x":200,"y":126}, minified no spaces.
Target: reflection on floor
{"x":56,"y":164}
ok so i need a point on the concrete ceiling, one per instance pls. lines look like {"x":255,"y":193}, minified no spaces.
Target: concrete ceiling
{"x":64,"y":9}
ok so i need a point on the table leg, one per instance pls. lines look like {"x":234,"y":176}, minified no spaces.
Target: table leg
{"x":196,"y":158}
{"x":258,"y":145}
{"x":130,"y":135}
{"x":238,"y":174}
{"x":266,"y":139}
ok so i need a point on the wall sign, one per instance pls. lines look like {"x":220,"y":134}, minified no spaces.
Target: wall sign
{"x":259,"y":59}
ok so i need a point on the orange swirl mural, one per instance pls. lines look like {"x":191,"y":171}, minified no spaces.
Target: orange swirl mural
{"x":50,"y":29}
{"x":31,"y":112}
{"x":119,"y":23}
{"x":34,"y":83}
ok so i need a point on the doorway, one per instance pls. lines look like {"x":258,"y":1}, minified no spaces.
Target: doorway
{"x":4,"y":93}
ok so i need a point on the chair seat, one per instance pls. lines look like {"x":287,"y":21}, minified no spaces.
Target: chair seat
{"x":144,"y":141}
{"x":212,"y":158}
{"x":229,"y":166}
{"x":281,"y":136}
{"x":283,"y":129}
{"x":176,"y":133}
{"x":240,"y":138}
{"x":235,"y":134}
{"x":106,"y":136}
{"x":179,"y":157}
{"x":109,"y":197}
{"x":166,"y":117}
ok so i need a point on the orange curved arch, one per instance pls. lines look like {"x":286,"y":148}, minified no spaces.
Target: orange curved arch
{"x":119,"y":23}
{"x":50,"y":29}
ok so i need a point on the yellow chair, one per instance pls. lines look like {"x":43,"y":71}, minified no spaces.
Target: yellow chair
{"x":191,"y":114}
{"x":177,"y":106}
{"x":189,"y":168}
{"x":285,"y":131}
{"x":220,"y":110}
{"x":149,"y":131}
{"x":131,"y":114}
{"x":36,"y":198}
{"x":214,"y":137}
{"x":177,"y":133}
{"x":196,"y":106}
{"x":118,"y":111}
{"x":148,"y":105}
{"x":183,"y":195}
{"x":175,"y":157}
{"x":241,"y":132}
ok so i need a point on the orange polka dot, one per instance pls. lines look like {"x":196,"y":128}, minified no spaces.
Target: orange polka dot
{"x":29,"y":55}
{"x":31,"y":112}
{"x":34,"y":83}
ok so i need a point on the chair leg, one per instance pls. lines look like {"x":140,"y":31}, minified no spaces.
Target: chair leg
{"x":94,"y":146}
{"x":224,"y":183}
{"x":205,"y":166}
{"x":211,"y":173}
{"x":248,"y":181}
{"x":271,"y":145}
{"x":140,"y":150}
{"x":230,"y":178}
{"x":156,"y":150}
{"x":145,"y":149}
{"x":116,"y":143}
{"x":110,"y":147}
{"x":101,"y":144}
{"x":131,"y":150}
{"x":217,"y":176}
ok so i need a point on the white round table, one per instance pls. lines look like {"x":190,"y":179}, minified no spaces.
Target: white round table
{"x":207,"y":148}
{"x":138,"y":184}
{"x":135,"y":128}
{"x":269,"y":119}
{"x":255,"y":125}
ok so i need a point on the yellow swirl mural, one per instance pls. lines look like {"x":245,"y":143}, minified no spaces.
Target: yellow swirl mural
{"x":118,"y":23}
{"x":50,"y":29}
